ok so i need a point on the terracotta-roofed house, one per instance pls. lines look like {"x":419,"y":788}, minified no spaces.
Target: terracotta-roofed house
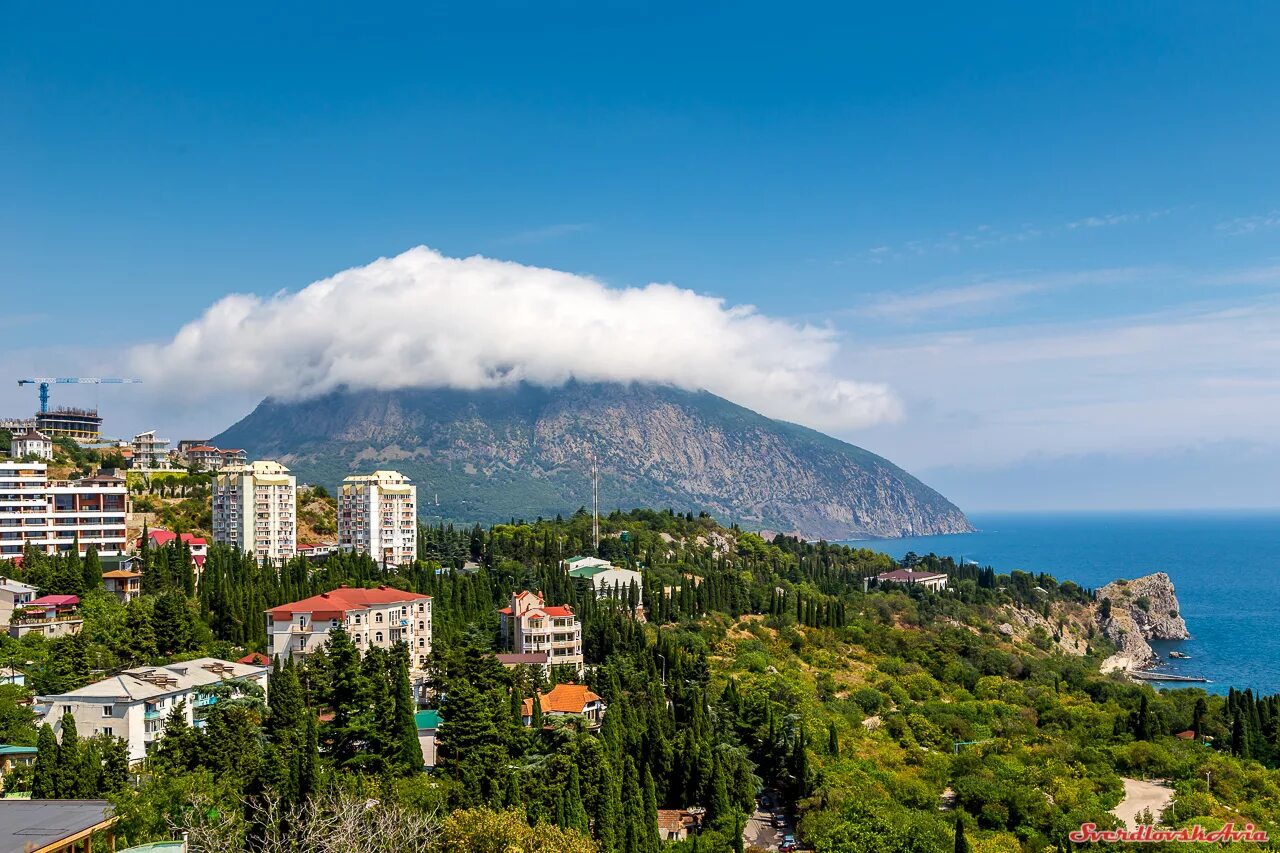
{"x":566,"y":699}
{"x":255,"y":659}
{"x":50,"y":615}
{"x":380,"y":617}
{"x":529,"y":624}
{"x":676,"y":824}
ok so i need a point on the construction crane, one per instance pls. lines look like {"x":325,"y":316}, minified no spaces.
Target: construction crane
{"x":45,"y":381}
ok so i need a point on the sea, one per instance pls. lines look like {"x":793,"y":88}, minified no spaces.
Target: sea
{"x":1225,"y":567}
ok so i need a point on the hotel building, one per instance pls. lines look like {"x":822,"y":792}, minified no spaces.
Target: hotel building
{"x":255,"y":509}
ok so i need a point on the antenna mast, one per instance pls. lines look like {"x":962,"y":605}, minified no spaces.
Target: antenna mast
{"x":595,"y":504}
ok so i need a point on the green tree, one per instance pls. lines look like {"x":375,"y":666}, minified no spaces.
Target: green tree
{"x":44,"y":781}
{"x":961,"y":842}
{"x":70,"y":772}
{"x":407,"y":751}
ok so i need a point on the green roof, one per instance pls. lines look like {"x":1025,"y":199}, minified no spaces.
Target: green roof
{"x":587,"y":571}
{"x":10,"y":749}
{"x":427,"y":720}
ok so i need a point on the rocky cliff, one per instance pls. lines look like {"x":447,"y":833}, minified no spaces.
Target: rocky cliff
{"x":1132,"y":612}
{"x":525,"y":452}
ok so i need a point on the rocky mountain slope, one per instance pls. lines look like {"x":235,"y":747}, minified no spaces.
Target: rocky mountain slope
{"x":526,"y":451}
{"x":1132,"y":612}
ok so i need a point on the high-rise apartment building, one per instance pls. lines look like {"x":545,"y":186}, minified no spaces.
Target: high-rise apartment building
{"x":54,"y":515}
{"x":378,"y":516}
{"x":255,"y":509}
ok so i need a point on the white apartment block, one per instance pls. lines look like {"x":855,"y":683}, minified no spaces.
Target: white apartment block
{"x":150,"y":453}
{"x":378,"y":516}
{"x":529,"y":625}
{"x":255,"y":509}
{"x":51,"y":516}
{"x":378,"y":617}
{"x":135,"y":704}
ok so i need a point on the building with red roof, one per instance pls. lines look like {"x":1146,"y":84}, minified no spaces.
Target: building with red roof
{"x":50,"y":615}
{"x":530,"y":625}
{"x":382,"y":617}
{"x":566,"y":700}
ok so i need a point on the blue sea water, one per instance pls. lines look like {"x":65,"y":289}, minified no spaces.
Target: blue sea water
{"x":1225,"y":567}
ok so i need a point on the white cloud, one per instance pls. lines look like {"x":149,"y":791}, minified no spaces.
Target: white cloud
{"x":1250,"y":224}
{"x":421,"y":319}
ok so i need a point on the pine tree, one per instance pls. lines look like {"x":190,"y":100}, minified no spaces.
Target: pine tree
{"x":351,"y":731}
{"x":44,"y":781}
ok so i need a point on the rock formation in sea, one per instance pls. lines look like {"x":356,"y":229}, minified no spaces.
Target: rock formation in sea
{"x":1132,"y":612}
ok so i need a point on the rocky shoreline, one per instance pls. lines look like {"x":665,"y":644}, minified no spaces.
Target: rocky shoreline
{"x":1132,"y":612}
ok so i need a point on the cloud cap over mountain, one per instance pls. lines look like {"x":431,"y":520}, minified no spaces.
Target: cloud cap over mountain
{"x":424,"y":320}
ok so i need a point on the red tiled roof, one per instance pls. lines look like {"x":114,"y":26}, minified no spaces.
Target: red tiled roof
{"x":559,"y":610}
{"x":342,"y":599}
{"x":1189,"y":734}
{"x":53,"y":601}
{"x":161,"y":537}
{"x":121,"y":574}
{"x":563,"y":699}
{"x":203,"y":447}
{"x":255,"y":659}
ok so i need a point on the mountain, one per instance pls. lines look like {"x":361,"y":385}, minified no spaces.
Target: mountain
{"x":525,"y":451}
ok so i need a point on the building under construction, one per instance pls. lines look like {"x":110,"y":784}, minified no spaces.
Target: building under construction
{"x":83,"y":425}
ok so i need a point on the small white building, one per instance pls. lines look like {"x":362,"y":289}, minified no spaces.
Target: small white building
{"x":135,"y":704}
{"x":150,"y":453}
{"x":31,"y":443}
{"x":928,"y":580}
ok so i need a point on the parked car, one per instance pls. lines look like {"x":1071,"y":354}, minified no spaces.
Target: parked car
{"x":779,"y":821}
{"x":788,"y":843}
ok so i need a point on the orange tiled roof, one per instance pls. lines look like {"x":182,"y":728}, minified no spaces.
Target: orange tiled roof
{"x":121,"y":574}
{"x":563,"y":699}
{"x":342,"y":599}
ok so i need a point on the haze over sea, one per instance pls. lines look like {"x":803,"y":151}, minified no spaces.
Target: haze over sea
{"x":1225,"y":567}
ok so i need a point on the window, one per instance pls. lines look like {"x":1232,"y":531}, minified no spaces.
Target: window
{"x":107,"y":710}
{"x":422,"y":643}
{"x":377,"y":638}
{"x":378,"y":618}
{"x":357,"y":618}
{"x":66,"y":709}
{"x":106,"y":730}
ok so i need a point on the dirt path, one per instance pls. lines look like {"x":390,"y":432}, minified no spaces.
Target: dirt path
{"x":1141,"y":795}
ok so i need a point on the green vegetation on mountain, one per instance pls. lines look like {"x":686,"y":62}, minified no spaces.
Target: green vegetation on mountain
{"x":527,"y":451}
{"x":887,"y":720}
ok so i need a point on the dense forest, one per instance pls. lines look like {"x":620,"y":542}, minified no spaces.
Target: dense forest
{"x":883,"y":718}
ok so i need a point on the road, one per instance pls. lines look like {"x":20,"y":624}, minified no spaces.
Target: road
{"x":759,"y":831}
{"x":1140,"y":795}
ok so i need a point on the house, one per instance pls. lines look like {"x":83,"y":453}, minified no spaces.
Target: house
{"x":14,"y":595}
{"x":676,"y":824}
{"x":428,"y":726}
{"x":378,"y":617}
{"x":255,"y":659}
{"x":511,"y":660}
{"x":50,"y":615}
{"x":234,"y":456}
{"x":610,"y":581}
{"x":197,"y":545}
{"x":528,"y":624}
{"x":566,"y":700}
{"x":928,"y":580}
{"x":203,"y":456}
{"x":15,"y":756}
{"x":56,"y":826}
{"x":123,"y":584}
{"x":586,"y":563}
{"x":9,"y":675}
{"x":134,"y":704}
{"x":31,"y":443}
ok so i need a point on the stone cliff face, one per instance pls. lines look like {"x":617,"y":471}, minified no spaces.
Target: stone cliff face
{"x":525,"y":451}
{"x":1132,"y":612}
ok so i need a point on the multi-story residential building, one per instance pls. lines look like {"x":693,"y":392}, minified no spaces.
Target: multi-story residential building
{"x":255,"y":509}
{"x":31,"y":443}
{"x":378,"y":617}
{"x":204,"y":456}
{"x":529,"y":625}
{"x":14,"y":595}
{"x":150,"y":453}
{"x":135,"y":704}
{"x":234,"y":456}
{"x":53,"y":516}
{"x":49,"y":615}
{"x":378,"y":516}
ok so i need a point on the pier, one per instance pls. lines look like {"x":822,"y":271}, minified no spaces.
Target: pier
{"x":1160,"y":676}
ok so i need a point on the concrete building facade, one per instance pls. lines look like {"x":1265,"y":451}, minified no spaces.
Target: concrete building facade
{"x":53,"y":516}
{"x":529,"y":625}
{"x":378,"y":617}
{"x":31,"y":443}
{"x":255,"y":509}
{"x":378,"y":516}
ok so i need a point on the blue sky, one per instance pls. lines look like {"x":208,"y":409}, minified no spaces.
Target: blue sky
{"x":1051,"y":231}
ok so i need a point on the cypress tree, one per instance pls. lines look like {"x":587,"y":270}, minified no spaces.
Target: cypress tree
{"x":407,"y":751}
{"x":962,"y":843}
{"x":44,"y":781}
{"x":70,"y":766}
{"x":91,"y":569}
